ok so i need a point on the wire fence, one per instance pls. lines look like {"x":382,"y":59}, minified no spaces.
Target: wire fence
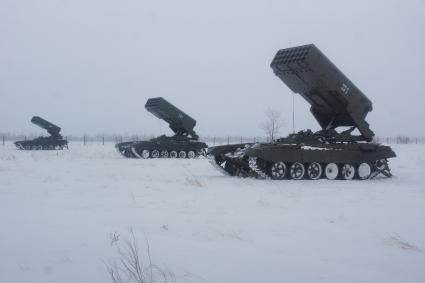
{"x":400,"y":140}
{"x":102,"y":139}
{"x":211,"y":140}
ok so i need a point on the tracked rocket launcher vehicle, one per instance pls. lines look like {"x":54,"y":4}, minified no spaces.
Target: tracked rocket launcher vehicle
{"x":54,"y":141}
{"x":335,"y":102}
{"x":184,"y":143}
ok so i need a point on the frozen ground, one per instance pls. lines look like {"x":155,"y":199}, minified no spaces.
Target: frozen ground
{"x":58,"y":211}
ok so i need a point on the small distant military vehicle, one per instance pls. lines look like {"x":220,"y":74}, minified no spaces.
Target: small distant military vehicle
{"x":335,"y":102}
{"x":183,"y":144}
{"x":54,"y":142}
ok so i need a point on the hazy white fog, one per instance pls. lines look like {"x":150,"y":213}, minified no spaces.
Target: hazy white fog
{"x":90,"y":65}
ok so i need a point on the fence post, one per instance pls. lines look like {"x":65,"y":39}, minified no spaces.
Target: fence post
{"x":241,"y":139}
{"x":228,"y":139}
{"x":84,"y":140}
{"x":103,"y":140}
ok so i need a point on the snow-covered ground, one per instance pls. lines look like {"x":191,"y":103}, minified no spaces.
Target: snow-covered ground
{"x":59,"y":210}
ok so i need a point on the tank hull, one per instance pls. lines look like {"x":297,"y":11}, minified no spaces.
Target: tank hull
{"x":42,"y":144}
{"x":162,"y":147}
{"x":338,"y":153}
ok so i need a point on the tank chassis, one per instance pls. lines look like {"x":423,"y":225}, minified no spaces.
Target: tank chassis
{"x":335,"y":102}
{"x":54,"y":141}
{"x":183,"y":144}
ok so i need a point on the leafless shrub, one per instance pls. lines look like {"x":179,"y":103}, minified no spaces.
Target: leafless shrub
{"x":130,"y":267}
{"x":396,"y":241}
{"x":273,"y":123}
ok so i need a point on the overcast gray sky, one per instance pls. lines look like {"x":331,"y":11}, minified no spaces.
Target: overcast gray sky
{"x":90,"y":65}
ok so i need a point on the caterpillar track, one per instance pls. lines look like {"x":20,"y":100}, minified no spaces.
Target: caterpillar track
{"x":153,"y":149}
{"x":40,"y":146}
{"x":248,"y":166}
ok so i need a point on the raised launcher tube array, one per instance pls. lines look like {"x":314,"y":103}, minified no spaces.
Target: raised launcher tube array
{"x":180,"y":123}
{"x":54,"y":141}
{"x":52,"y":129}
{"x":184,"y":143}
{"x":335,"y":102}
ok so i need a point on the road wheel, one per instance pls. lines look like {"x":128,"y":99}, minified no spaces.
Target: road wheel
{"x":278,"y":171}
{"x":364,"y":171}
{"x":314,"y":171}
{"x":331,"y":171}
{"x":191,"y":154}
{"x":164,"y":154}
{"x":145,"y":153}
{"x":173,"y":154}
{"x":297,"y":171}
{"x":155,"y":153}
{"x":348,"y":171}
{"x":182,"y":154}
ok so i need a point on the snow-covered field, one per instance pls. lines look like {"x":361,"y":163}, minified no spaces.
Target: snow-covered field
{"x":59,"y":210}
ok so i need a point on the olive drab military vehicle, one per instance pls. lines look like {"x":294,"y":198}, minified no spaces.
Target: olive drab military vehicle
{"x":183,"y":144}
{"x":54,"y":141}
{"x":335,"y":102}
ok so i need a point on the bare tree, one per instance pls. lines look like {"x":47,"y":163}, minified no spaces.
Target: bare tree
{"x":273,"y":123}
